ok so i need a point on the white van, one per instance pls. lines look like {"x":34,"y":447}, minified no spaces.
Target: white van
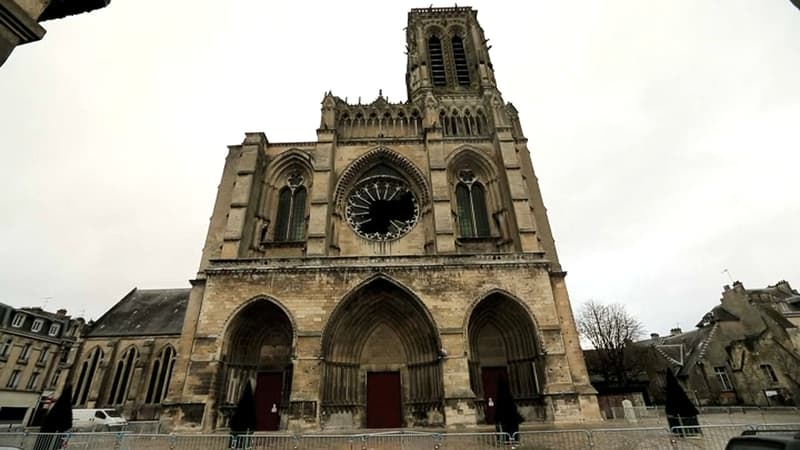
{"x":97,"y":420}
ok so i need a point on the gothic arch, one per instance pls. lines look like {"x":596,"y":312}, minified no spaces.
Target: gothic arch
{"x":381,"y":155}
{"x":475,"y":194}
{"x":381,"y":313}
{"x":286,"y":196}
{"x":259,"y":340}
{"x":122,"y":375}
{"x":503,"y":342}
{"x":239,"y":311}
{"x":498,"y":291}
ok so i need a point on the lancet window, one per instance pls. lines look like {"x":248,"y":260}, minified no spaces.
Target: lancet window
{"x":473,"y":220}
{"x":160,"y":376}
{"x":122,"y":377}
{"x":290,"y":220}
{"x":438,"y":73}
{"x":86,"y":376}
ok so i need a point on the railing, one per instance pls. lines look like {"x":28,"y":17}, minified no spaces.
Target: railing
{"x":707,"y":437}
{"x":709,"y":415}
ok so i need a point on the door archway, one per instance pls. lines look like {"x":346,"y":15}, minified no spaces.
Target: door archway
{"x":382,"y":364}
{"x":258,"y":350}
{"x":502,"y":345}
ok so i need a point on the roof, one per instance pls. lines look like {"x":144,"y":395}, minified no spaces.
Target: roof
{"x":144,"y":312}
{"x":63,"y":8}
{"x":683,"y":349}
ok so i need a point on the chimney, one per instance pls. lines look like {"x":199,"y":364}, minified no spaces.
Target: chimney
{"x":675,"y":331}
{"x":654,"y":336}
{"x":61,"y":312}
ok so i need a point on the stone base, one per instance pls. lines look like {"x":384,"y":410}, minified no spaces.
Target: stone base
{"x":182,"y":417}
{"x":572,"y":408}
{"x":460,"y":413}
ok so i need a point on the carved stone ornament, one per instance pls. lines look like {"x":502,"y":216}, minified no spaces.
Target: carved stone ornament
{"x":381,"y":208}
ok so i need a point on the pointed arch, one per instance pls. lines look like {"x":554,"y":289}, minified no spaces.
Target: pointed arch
{"x":460,"y":60}
{"x":285,"y":201}
{"x":86,"y":375}
{"x":381,"y":309}
{"x":472,"y":175}
{"x":123,"y":371}
{"x":259,"y":338}
{"x":161,"y":375}
{"x":502,"y":336}
{"x":436,"y":56}
{"x":389,"y":158}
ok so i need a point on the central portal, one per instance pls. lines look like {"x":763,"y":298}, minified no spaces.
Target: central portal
{"x":383,"y":400}
{"x":382,"y":367}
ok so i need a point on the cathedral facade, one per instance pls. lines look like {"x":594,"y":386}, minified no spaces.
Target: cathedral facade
{"x":390,"y":273}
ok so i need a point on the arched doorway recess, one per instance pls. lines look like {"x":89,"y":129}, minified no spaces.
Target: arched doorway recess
{"x":258,"y":350}
{"x":503,"y":345}
{"x":382,"y":367}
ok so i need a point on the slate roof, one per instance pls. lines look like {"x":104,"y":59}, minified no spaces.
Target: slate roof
{"x":144,"y":312}
{"x":694,"y":345}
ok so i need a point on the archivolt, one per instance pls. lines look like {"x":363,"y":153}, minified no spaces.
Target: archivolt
{"x":377,"y":156}
{"x":377,"y":301}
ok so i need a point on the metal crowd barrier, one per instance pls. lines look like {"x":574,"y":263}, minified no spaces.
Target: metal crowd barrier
{"x":690,"y":437}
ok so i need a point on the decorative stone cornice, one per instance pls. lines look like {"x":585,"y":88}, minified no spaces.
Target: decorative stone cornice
{"x":376,"y":263}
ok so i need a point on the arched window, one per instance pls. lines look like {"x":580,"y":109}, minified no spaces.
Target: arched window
{"x":460,"y":60}
{"x":160,"y":376}
{"x":88,"y":368}
{"x":290,"y":220}
{"x":438,"y":74}
{"x":473,"y":219}
{"x":122,"y":377}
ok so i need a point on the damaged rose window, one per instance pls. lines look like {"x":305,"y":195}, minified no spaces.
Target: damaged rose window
{"x":381,"y":208}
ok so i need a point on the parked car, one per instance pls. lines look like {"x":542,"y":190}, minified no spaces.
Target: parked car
{"x":766,"y":440}
{"x":97,"y":420}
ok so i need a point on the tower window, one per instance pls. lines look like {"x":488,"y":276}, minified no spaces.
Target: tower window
{"x":437,"y":61}
{"x":290,"y":222}
{"x":460,"y":60}
{"x":473,"y":220}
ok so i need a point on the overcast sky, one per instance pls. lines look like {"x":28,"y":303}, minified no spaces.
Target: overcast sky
{"x":664,"y":134}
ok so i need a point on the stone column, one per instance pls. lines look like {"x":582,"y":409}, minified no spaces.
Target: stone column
{"x":304,"y":402}
{"x":459,"y":400}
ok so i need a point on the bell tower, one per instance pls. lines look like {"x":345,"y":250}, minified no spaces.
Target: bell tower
{"x":447,"y":53}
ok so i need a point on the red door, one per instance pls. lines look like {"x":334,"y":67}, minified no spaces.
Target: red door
{"x":383,"y":400}
{"x":491,"y":375}
{"x":268,"y":400}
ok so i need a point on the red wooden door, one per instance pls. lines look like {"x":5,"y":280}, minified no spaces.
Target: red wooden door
{"x":384,"y":406}
{"x":491,"y":375}
{"x":268,"y":400}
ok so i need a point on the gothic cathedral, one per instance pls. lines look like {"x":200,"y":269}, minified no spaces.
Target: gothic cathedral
{"x":396,"y":272}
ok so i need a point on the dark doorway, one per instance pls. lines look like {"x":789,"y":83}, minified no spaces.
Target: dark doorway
{"x":268,"y":400}
{"x":491,"y":375}
{"x":383,"y":400}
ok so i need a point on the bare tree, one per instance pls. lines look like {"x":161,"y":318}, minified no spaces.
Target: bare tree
{"x":611,"y":330}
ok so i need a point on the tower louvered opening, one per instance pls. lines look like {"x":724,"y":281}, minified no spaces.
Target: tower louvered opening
{"x":438,"y":74}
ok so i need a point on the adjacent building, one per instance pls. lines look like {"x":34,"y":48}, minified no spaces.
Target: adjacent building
{"x":34,"y":360}
{"x":126,"y":357}
{"x":743,"y":352}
